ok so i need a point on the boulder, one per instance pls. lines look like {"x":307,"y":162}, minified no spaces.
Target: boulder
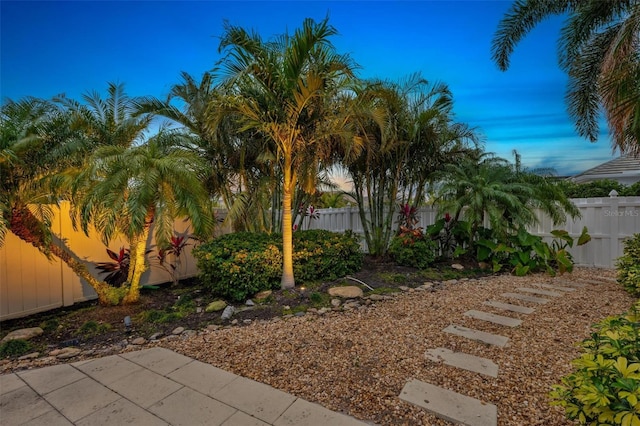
{"x":457,"y":266}
{"x":69,"y":352}
{"x":216,"y":305}
{"x":348,"y":292}
{"x":177,"y":330}
{"x":228,"y":312}
{"x":263,"y":295}
{"x":23,"y":333}
{"x":139,"y":341}
{"x":335,"y":302}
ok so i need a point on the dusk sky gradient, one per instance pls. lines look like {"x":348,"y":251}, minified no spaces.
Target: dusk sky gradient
{"x":48,"y":48}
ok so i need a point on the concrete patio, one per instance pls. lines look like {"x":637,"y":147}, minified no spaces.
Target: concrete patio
{"x":151,"y":387}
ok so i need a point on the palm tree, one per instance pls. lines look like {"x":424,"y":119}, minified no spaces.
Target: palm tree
{"x":127,"y":189}
{"x":411,"y":135}
{"x":490,"y":189}
{"x":282,"y":90}
{"x":31,"y":130}
{"x":599,"y":50}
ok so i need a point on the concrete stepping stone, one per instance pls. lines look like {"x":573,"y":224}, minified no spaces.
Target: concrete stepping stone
{"x":540,"y":292}
{"x":449,"y":405}
{"x":480,"y":336}
{"x":608,"y":279}
{"x":496,"y":319}
{"x":509,"y":307}
{"x":571,"y":283}
{"x":591,"y":281}
{"x":526,"y":298}
{"x":555,"y":287}
{"x":465,"y":361}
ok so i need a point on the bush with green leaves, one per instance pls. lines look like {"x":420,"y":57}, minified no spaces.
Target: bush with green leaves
{"x":413,"y":248}
{"x":605,"y":388}
{"x":14,"y":348}
{"x":236,"y":266}
{"x":629,"y":266}
{"x":525,"y":253}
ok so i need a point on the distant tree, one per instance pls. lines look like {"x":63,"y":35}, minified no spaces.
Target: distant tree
{"x":599,"y":51}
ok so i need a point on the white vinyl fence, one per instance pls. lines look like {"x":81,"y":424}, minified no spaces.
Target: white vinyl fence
{"x":609,"y":221}
{"x":31,"y":283}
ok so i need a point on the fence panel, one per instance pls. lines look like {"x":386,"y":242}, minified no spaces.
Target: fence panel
{"x":30,"y":283}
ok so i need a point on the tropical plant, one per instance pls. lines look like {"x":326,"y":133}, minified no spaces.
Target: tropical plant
{"x":489,"y":190}
{"x":525,"y":253}
{"x":629,"y":265}
{"x":284,"y":90}
{"x":411,"y":135}
{"x":598,"y":50}
{"x":32,"y":132}
{"x":170,"y":256}
{"x":413,"y":248}
{"x":118,"y":270}
{"x":605,"y":387}
{"x":126,"y":190}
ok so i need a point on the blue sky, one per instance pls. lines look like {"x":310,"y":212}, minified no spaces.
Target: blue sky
{"x":48,"y":48}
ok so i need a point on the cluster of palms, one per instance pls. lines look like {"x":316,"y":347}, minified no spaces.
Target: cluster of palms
{"x":261,"y":133}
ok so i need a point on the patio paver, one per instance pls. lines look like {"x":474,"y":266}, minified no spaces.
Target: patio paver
{"x":540,"y":292}
{"x":150,"y":387}
{"x":496,"y":319}
{"x":480,"y":336}
{"x":525,"y":298}
{"x":509,"y":307}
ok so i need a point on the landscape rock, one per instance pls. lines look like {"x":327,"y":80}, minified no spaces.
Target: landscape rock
{"x":216,"y":305}
{"x":322,"y":311}
{"x":69,"y":352}
{"x":213,"y":327}
{"x":156,"y":336}
{"x":376,"y":297}
{"x":247,"y":321}
{"x":335,"y":302}
{"x":23,"y":333}
{"x":404,"y":288}
{"x":300,"y":314}
{"x":188,"y":333}
{"x":234,"y":322}
{"x":250,"y":302}
{"x":198,"y":310}
{"x":263,"y":295}
{"x":348,"y":292}
{"x":139,"y":341}
{"x":32,"y":355}
{"x":177,"y":330}
{"x":228,"y":312}
{"x":457,"y":266}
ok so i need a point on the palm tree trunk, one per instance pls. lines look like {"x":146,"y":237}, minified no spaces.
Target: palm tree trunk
{"x":138,"y":263}
{"x":26,"y":227}
{"x":287,"y":226}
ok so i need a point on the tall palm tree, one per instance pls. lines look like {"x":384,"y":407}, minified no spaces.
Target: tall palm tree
{"x":599,"y":49}
{"x":127,"y":189}
{"x":31,"y":131}
{"x":283,"y":89}
{"x":411,"y":135}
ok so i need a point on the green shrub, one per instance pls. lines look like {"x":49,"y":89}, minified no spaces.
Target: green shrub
{"x":14,"y":348}
{"x":629,"y":266}
{"x":413,"y":249}
{"x":605,"y":389}
{"x":236,"y":266}
{"x":93,"y":328}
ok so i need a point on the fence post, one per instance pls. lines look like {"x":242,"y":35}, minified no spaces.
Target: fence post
{"x":614,"y":228}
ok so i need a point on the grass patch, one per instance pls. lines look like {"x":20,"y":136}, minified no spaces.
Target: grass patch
{"x":50,"y":325}
{"x":393,"y":278}
{"x":155,"y":316}
{"x":15,"y":348}
{"x":319,"y":300}
{"x":93,"y":328}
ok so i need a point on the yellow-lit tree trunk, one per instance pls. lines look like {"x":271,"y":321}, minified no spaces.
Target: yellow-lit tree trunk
{"x":137,"y":261}
{"x":287,"y":226}
{"x":25,"y":226}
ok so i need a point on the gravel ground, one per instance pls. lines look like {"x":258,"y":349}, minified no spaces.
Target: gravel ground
{"x":357,"y":362}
